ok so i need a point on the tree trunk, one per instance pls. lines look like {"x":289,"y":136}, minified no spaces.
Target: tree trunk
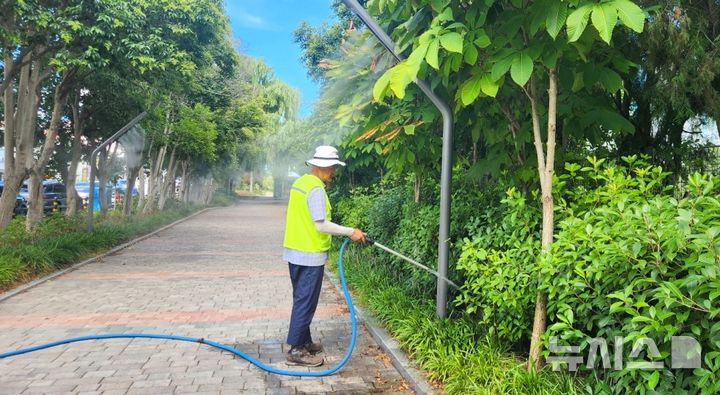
{"x":37,"y":172}
{"x":252,"y":181}
{"x":209,"y":189}
{"x":102,"y":180}
{"x":191,"y":193}
{"x":184,"y":181}
{"x":105,"y":163}
{"x":418,"y":184}
{"x":128,"y":202}
{"x":167,"y":191}
{"x":20,"y":108}
{"x":35,"y":201}
{"x":546,"y":168}
{"x":8,"y":199}
{"x":156,"y":166}
{"x":188,"y":188}
{"x":13,"y":177}
{"x":141,"y":188}
{"x":154,"y":181}
{"x":168,"y":186}
{"x":74,"y":203}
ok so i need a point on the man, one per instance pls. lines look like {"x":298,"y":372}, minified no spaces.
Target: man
{"x":307,"y":241}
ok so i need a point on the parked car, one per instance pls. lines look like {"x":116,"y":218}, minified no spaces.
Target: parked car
{"x":83,"y":190}
{"x":54,"y":195}
{"x":20,"y":202}
{"x":120,"y":189}
{"x":121,"y":186}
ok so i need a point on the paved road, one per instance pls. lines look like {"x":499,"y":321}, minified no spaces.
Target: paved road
{"x":218,"y":276}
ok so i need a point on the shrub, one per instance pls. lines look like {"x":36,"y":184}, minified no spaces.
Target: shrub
{"x":390,"y":216}
{"x":353,"y":210}
{"x":631,"y":257}
{"x":498,"y":263}
{"x":629,"y":261}
{"x":453,"y":351}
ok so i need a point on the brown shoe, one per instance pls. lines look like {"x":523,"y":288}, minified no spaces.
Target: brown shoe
{"x":314,"y":348}
{"x":299,"y":356}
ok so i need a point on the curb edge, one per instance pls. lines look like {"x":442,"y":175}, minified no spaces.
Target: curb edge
{"x":400,"y":361}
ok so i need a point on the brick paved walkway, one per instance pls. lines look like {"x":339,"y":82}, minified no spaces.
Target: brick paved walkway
{"x":217,"y":276}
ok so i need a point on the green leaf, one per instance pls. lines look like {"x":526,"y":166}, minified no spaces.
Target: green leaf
{"x":381,"y":86}
{"x":439,"y":5}
{"x":475,"y":134}
{"x":538,"y":15}
{"x":471,"y":55}
{"x":409,"y":129}
{"x":521,"y":68}
{"x":653,"y":379}
{"x":631,"y":15}
{"x":401,"y":76}
{"x":432,"y":54}
{"x":713,"y":295}
{"x":501,"y":67}
{"x":611,"y":80}
{"x":489,"y":86}
{"x":556,"y":17}
{"x":604,"y":18}
{"x":411,"y":155}
{"x":577,"y":22}
{"x":417,"y":55}
{"x":470,"y":90}
{"x":452,"y":42}
{"x":482,"y":40}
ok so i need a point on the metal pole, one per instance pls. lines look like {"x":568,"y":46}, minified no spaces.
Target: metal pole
{"x":93,"y":163}
{"x":446,"y":171}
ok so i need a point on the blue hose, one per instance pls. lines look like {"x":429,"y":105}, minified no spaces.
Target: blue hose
{"x":221,"y":346}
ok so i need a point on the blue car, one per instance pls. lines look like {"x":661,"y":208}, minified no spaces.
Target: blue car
{"x":83,"y":190}
{"x":121,"y":187}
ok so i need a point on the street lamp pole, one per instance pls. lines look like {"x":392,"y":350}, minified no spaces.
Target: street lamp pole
{"x":446,"y":170}
{"x":93,"y":164}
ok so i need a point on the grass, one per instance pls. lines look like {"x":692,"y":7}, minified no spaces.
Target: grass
{"x":454,"y":352}
{"x":58,"y":242}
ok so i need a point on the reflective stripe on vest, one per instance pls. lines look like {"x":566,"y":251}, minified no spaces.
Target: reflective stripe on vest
{"x":300,"y":231}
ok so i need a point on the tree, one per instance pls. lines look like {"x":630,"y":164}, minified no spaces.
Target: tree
{"x":320,"y":44}
{"x":267,"y":104}
{"x":482,"y":43}
{"x":193,"y":143}
{"x":58,"y":45}
{"x":677,"y":79}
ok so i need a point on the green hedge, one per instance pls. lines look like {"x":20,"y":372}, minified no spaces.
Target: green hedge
{"x":632,"y":257}
{"x":454,"y":352}
{"x":633,"y":260}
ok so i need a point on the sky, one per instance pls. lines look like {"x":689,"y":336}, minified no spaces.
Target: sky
{"x":264,"y":29}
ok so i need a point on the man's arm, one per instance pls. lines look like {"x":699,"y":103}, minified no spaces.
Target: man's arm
{"x":316,"y":204}
{"x":332,"y":228}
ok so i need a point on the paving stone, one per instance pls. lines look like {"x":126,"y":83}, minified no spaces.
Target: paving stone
{"x":218,"y":276}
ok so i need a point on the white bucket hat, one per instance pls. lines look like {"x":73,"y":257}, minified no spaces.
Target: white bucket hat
{"x":325,"y":156}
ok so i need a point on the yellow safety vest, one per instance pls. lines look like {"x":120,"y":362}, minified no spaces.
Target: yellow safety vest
{"x":300,"y":232}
